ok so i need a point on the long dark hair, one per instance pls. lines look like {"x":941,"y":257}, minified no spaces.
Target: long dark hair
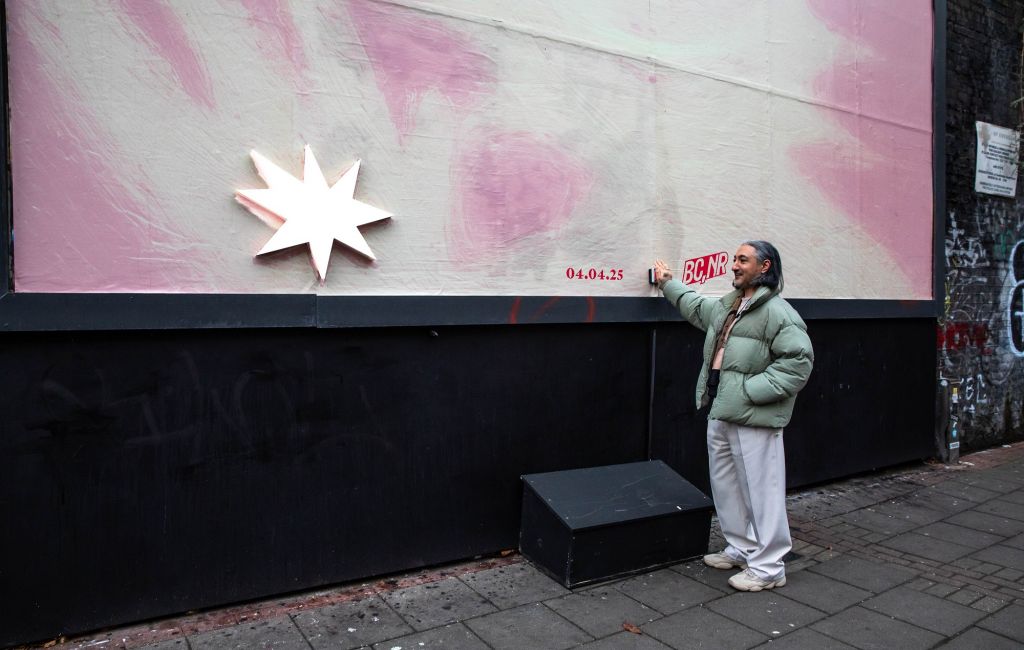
{"x":772,"y":278}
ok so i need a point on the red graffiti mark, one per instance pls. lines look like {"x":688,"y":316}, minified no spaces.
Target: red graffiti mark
{"x":548,"y":304}
{"x":960,"y":336}
{"x":701,"y":269}
{"x":513,"y":314}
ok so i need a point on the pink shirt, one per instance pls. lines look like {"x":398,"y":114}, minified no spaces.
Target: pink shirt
{"x":716,"y":364}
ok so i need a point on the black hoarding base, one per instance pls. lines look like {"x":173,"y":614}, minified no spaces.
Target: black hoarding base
{"x":148,"y":473}
{"x":587,"y":525}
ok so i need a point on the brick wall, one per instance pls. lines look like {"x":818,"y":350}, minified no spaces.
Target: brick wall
{"x":981,"y":367}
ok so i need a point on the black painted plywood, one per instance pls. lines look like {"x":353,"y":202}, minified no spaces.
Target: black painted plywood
{"x":148,"y":473}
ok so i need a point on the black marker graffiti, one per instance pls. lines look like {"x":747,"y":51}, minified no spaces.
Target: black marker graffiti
{"x":1015,"y":303}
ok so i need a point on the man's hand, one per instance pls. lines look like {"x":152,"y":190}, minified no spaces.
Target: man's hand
{"x":662,"y":274}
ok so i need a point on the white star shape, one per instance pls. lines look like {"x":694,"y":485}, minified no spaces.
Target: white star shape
{"x":311,"y":211}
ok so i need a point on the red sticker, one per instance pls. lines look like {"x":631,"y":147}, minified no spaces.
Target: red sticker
{"x":701,"y":269}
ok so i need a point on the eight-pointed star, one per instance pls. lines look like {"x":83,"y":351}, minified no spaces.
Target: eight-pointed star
{"x":313,"y":212}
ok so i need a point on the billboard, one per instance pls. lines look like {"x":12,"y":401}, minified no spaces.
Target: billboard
{"x":528,"y":148}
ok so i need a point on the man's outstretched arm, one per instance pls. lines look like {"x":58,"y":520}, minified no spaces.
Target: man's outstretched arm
{"x":695,"y":308}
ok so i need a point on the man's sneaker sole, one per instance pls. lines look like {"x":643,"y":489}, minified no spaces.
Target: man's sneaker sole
{"x":723,"y":561}
{"x":752,"y":586}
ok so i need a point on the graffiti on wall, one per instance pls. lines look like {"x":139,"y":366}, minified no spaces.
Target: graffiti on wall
{"x":1015,"y":302}
{"x":979,"y":338}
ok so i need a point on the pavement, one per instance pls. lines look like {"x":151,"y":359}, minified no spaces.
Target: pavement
{"x":926,"y":556}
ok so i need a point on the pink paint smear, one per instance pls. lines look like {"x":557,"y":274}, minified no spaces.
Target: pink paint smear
{"x":274,"y":19}
{"x":511,"y":186}
{"x":76,"y":225}
{"x":164,"y":33}
{"x":413,"y":55}
{"x":884,"y":184}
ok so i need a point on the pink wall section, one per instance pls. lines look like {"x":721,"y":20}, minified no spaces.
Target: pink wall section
{"x":277,"y":34}
{"x":413,"y":55}
{"x":160,"y":28}
{"x":508,"y":187}
{"x":77,"y":225}
{"x":880,"y":91}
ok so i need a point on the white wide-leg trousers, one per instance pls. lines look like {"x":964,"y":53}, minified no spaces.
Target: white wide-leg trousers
{"x":748,"y":484}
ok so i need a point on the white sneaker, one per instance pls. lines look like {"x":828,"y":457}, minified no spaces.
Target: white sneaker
{"x":723,"y":561}
{"x":747,"y":581}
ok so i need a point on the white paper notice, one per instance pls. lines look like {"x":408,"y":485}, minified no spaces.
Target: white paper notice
{"x":998,"y":148}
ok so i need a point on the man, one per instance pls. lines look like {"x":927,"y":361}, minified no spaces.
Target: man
{"x":756,"y":358}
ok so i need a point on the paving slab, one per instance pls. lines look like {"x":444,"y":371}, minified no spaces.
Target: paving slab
{"x":170,"y":644}
{"x":947,"y":504}
{"x":824,"y":503}
{"x":1001,"y":555}
{"x":977,"y":638}
{"x":987,"y":523}
{"x":965,"y":563}
{"x":873,"y":538}
{"x":668,"y":591}
{"x":927,"y":547}
{"x":699,"y":627}
{"x":994,"y":482}
{"x":804,"y":639}
{"x":1003,"y":508}
{"x":990,"y":604}
{"x":1013,"y":474}
{"x":448,"y":637}
{"x":1017,"y":496}
{"x":1011,"y":471}
{"x":964,"y":596}
{"x":513,"y":585}
{"x":626,"y":641}
{"x":1016,"y":542}
{"x":1008,"y":622}
{"x":987,"y":568}
{"x":964,"y":491}
{"x":602,"y":610}
{"x":924,"y":610}
{"x":870,"y":630}
{"x":969,"y":537}
{"x":351,"y":625}
{"x":279,"y":634}
{"x":768,"y":612}
{"x":796,"y":565}
{"x":822,"y":592}
{"x":941,"y":590}
{"x":913,"y":511}
{"x":717,"y":579}
{"x":873,"y":576}
{"x":437,"y":603}
{"x":531,"y":626}
{"x":920,"y":583}
{"x":879,"y":522}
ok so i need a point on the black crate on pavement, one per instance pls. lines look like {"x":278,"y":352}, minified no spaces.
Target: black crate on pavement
{"x":587,"y":525}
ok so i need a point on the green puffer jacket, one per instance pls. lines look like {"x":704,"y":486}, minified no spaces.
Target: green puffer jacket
{"x":767,"y":359}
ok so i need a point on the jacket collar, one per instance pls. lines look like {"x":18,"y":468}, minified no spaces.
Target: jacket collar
{"x":761,"y":296}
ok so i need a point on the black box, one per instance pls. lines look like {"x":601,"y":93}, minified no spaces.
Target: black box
{"x":587,"y":525}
